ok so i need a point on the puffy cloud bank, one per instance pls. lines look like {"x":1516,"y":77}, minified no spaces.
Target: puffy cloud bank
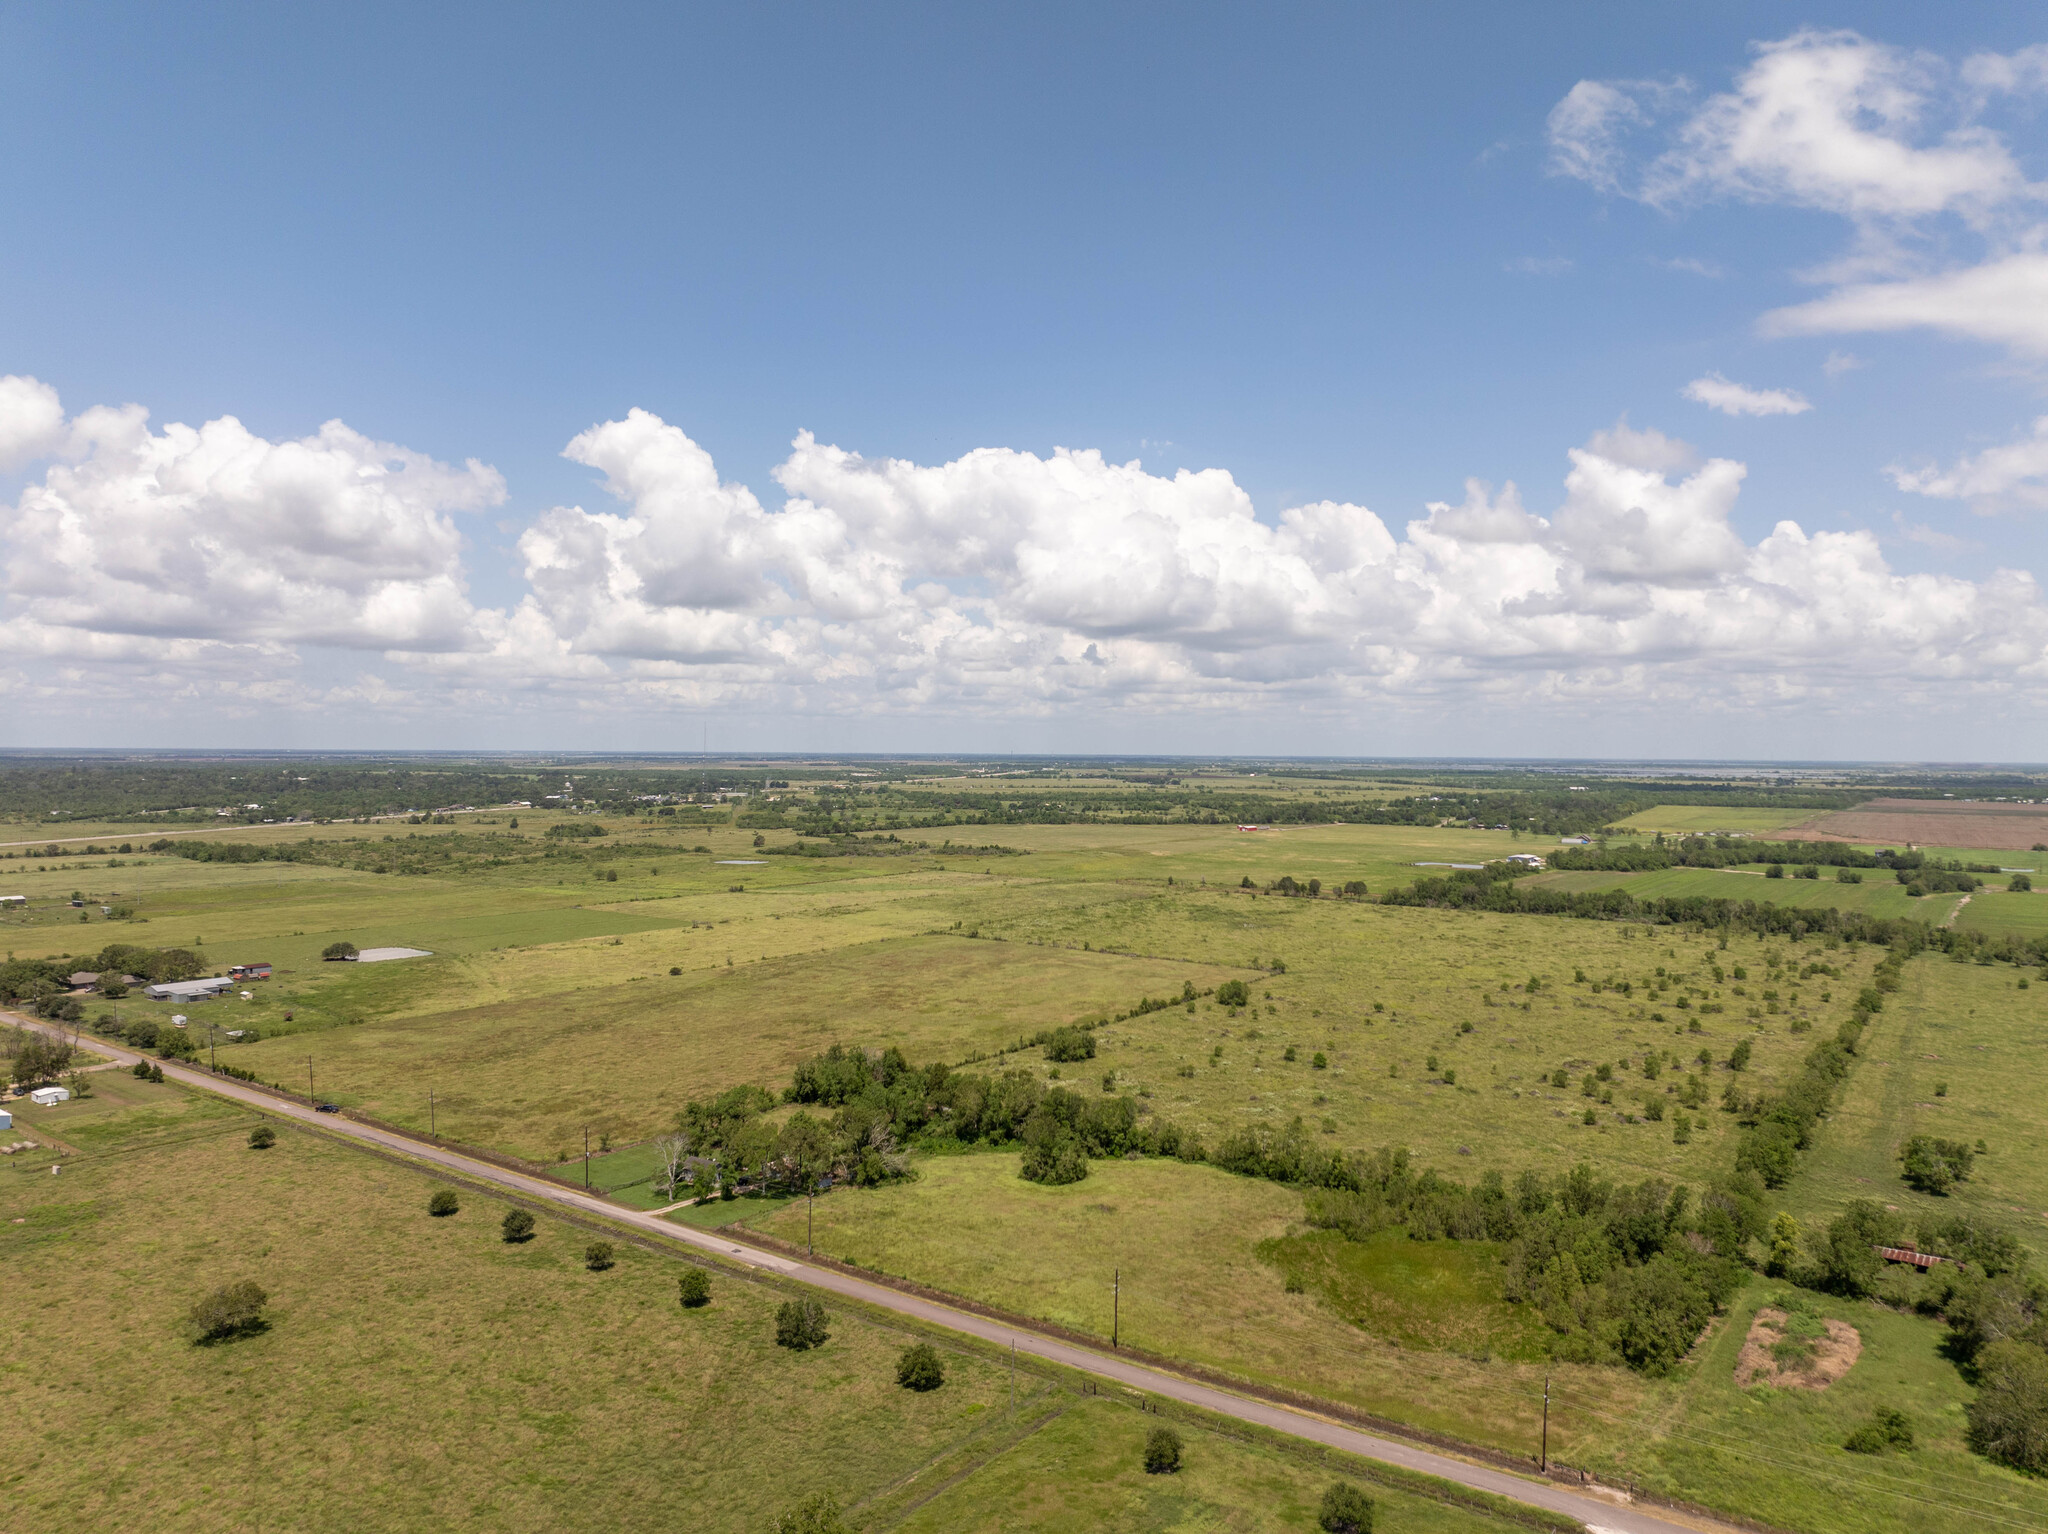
{"x":1001,"y":584}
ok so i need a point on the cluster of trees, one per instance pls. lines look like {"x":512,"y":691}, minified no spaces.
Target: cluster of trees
{"x":1625,"y":1274}
{"x":35,"y":1058}
{"x":1726,"y":852}
{"x":43,"y":984}
{"x":1994,"y":1303}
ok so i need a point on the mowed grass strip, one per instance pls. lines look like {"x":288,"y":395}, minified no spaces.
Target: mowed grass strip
{"x":527,"y":1076}
{"x":418,"y":1373}
{"x":1188,"y":1241}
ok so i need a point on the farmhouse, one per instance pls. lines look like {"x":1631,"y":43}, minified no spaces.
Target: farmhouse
{"x":1526,"y":859}
{"x":189,"y":990}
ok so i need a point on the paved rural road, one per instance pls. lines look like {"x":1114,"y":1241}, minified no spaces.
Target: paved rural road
{"x":1599,"y":1516}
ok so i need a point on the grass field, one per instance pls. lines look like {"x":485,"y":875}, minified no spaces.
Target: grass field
{"x":420,"y":1373}
{"x":1695,"y":820}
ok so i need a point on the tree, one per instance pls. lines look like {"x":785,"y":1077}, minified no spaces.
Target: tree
{"x":1844,"y":1255}
{"x":2009,"y":1418}
{"x":517,"y":1225}
{"x":816,"y":1514}
{"x":2020,"y":883}
{"x":672,"y":1155}
{"x":1067,"y":1045}
{"x":1784,"y":1246}
{"x":1346,"y":1510}
{"x":598,"y":1256}
{"x":693,"y":1289}
{"x":262,"y":1137}
{"x":1162,"y":1451}
{"x":444,"y":1202}
{"x":1232,"y":993}
{"x":341,"y":950}
{"x":233,"y":1310}
{"x":919,"y":1368}
{"x":1934,"y":1165}
{"x":800,"y":1325}
{"x":39,"y":1059}
{"x":803,"y":1153}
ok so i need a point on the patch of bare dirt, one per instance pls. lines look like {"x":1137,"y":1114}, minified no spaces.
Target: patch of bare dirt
{"x":1778,"y":1351}
{"x":1926,"y":823}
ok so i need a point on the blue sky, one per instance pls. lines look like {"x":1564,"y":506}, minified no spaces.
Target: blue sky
{"x":1342,"y":255}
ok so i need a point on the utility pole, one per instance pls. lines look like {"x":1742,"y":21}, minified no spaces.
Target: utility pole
{"x":212,"y":1048}
{"x":1116,"y":1304}
{"x":430,"y":1115}
{"x":810,"y":1211}
{"x":1546,"y":1425}
{"x":310,"y":1097}
{"x":586,"y":1158}
{"x":1013,"y":1379}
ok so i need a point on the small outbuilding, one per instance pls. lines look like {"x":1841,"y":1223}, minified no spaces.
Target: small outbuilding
{"x":49,"y":1097}
{"x":6,"y":1119}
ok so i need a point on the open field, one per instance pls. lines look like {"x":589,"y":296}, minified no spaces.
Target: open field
{"x":1199,"y":1284}
{"x":1696,"y":820}
{"x":421,"y":1373}
{"x":1957,"y":1052}
{"x":1932,"y":823}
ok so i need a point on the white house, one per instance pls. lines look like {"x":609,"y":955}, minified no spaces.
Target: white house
{"x":189,"y":990}
{"x":1526,"y":859}
{"x":49,"y":1097}
{"x":6,"y":1119}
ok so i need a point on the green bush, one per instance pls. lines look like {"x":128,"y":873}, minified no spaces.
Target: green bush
{"x":1232,"y":993}
{"x":341,"y":950}
{"x":816,"y":1514}
{"x":1067,"y":1045}
{"x":262,"y":1137}
{"x":233,"y":1310}
{"x":800,"y":1324}
{"x":598,"y":1256}
{"x":2019,"y":883}
{"x":1346,"y":1510}
{"x":517,"y":1225}
{"x":1886,"y":1430}
{"x":1934,"y":1165}
{"x":443,"y":1202}
{"x":1162,"y":1451}
{"x":919,"y":1368}
{"x":694,"y":1288}
{"x":2009,"y":1418}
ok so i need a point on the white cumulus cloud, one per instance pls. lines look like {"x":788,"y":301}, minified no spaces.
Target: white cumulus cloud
{"x":2014,"y":475}
{"x":215,"y":535}
{"x":1718,"y":393}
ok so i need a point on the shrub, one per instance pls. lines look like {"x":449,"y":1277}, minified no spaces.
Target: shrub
{"x":2020,"y":883}
{"x":341,"y":950}
{"x":517,"y":1225}
{"x":693,"y":1289}
{"x":816,"y":1514}
{"x":443,"y":1202}
{"x":1887,"y":1429}
{"x":1346,"y":1510}
{"x":1738,"y":1057}
{"x":1934,"y":1165}
{"x":800,"y":1324}
{"x":1232,"y":993}
{"x":233,"y":1310}
{"x":919,"y":1368}
{"x":1054,"y":1162}
{"x":2009,"y":1418}
{"x":1321,"y":1062}
{"x":1067,"y":1045}
{"x":262,"y":1137}
{"x":598,"y":1256}
{"x":1162,"y":1451}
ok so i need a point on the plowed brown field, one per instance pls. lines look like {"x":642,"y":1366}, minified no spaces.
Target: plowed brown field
{"x":1928,"y":823}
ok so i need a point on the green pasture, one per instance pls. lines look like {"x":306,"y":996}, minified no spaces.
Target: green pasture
{"x":1081,"y":1469}
{"x":1199,"y":1282}
{"x":1775,"y":1455}
{"x":527,"y":1073}
{"x":1970,"y":1029}
{"x":421,"y":1373}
